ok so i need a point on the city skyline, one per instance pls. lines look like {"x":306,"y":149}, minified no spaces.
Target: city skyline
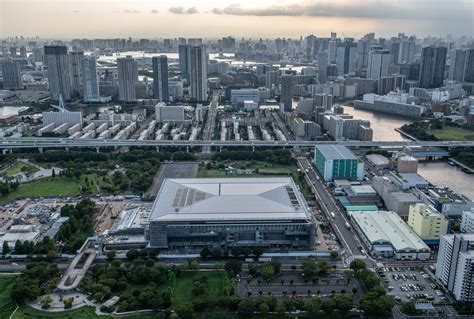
{"x":269,"y":18}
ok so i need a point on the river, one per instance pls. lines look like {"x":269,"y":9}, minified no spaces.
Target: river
{"x":438,"y":173}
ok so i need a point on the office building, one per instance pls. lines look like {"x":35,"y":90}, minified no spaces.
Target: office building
{"x":90,"y":80}
{"x":184,"y":68}
{"x":427,"y":222}
{"x":458,"y":66}
{"x":226,"y":212}
{"x":407,"y":164}
{"x":59,"y":75}
{"x":323,"y":62}
{"x":76,"y":62}
{"x":169,"y":113}
{"x":38,"y":55}
{"x":198,"y":73}
{"x":346,"y":58}
{"x":469,"y":69}
{"x":455,"y":265}
{"x":337,"y":162}
{"x":11,"y":75}
{"x":127,"y":69}
{"x":378,"y":63}
{"x":332,"y":51}
{"x":271,"y":80}
{"x":377,"y":230}
{"x":286,"y":97}
{"x":433,"y":62}
{"x":58,"y":118}
{"x":467,"y":222}
{"x":238,"y":97}
{"x":160,"y":78}
{"x":324,"y":100}
{"x":334,"y":126}
{"x":406,"y":52}
{"x":399,"y":104}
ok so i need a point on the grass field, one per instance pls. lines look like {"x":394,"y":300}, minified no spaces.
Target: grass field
{"x":17,"y":168}
{"x":6,"y":305}
{"x":269,"y":169}
{"x":450,"y":133}
{"x":44,"y":187}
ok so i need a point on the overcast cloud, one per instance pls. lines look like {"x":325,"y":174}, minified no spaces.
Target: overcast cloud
{"x":415,"y":9}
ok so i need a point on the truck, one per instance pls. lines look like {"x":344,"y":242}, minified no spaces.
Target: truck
{"x":348,"y":226}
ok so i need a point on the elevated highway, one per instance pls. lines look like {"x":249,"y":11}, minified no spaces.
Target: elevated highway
{"x":66,"y":143}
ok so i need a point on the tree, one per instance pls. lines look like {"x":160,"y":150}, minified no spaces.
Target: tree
{"x":328,"y":306}
{"x":46,"y":302}
{"x":257,"y":251}
{"x":308,"y":267}
{"x":233,"y":265}
{"x":334,"y":255}
{"x":343,"y":303}
{"x":253,"y":269}
{"x":276,"y":266}
{"x":132,"y":254}
{"x":184,"y":311}
{"x":53,"y":173}
{"x":323,"y":268}
{"x":409,"y":309}
{"x":246,"y":308}
{"x":313,"y":307}
{"x":5,"y":248}
{"x":153,"y":252}
{"x":216,"y":253}
{"x":111,"y":255}
{"x":264,"y":309}
{"x":357,"y":265}
{"x":267,"y":271}
{"x":194,"y":264}
{"x":205,"y":252}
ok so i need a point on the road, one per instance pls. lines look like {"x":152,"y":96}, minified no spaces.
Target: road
{"x":56,"y":142}
{"x":210,"y":122}
{"x":282,"y":127}
{"x":346,"y":236}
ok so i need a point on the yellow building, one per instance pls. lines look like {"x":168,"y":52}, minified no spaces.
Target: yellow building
{"x":427,"y":222}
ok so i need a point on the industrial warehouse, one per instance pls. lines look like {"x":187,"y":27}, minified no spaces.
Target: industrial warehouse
{"x":227,"y":212}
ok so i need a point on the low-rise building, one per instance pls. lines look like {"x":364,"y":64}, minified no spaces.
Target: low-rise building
{"x":388,"y":236}
{"x":427,"y":223}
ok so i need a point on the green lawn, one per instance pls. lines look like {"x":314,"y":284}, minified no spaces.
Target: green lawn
{"x":450,"y":133}
{"x":271,"y":169}
{"x":17,"y":168}
{"x":182,"y":292}
{"x":6,"y":305}
{"x":44,"y":187}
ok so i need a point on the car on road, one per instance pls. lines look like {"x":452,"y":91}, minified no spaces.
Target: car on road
{"x":333,"y":215}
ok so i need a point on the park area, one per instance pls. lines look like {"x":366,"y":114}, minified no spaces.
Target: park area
{"x":43,"y":188}
{"x":450,"y":133}
{"x":183,"y":294}
{"x":18,"y":167}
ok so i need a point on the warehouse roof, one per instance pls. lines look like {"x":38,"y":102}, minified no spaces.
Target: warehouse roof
{"x":388,"y":227}
{"x":224,"y":199}
{"x":335,"y":152}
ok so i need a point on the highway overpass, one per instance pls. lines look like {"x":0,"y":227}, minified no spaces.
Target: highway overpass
{"x":46,"y":142}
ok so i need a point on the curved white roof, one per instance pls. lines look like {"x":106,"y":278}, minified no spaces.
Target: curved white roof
{"x":233,"y":199}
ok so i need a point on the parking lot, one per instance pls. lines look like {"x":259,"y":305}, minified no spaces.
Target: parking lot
{"x":410,"y":284}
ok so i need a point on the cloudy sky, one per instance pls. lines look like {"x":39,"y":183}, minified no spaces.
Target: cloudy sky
{"x":241,"y":18}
